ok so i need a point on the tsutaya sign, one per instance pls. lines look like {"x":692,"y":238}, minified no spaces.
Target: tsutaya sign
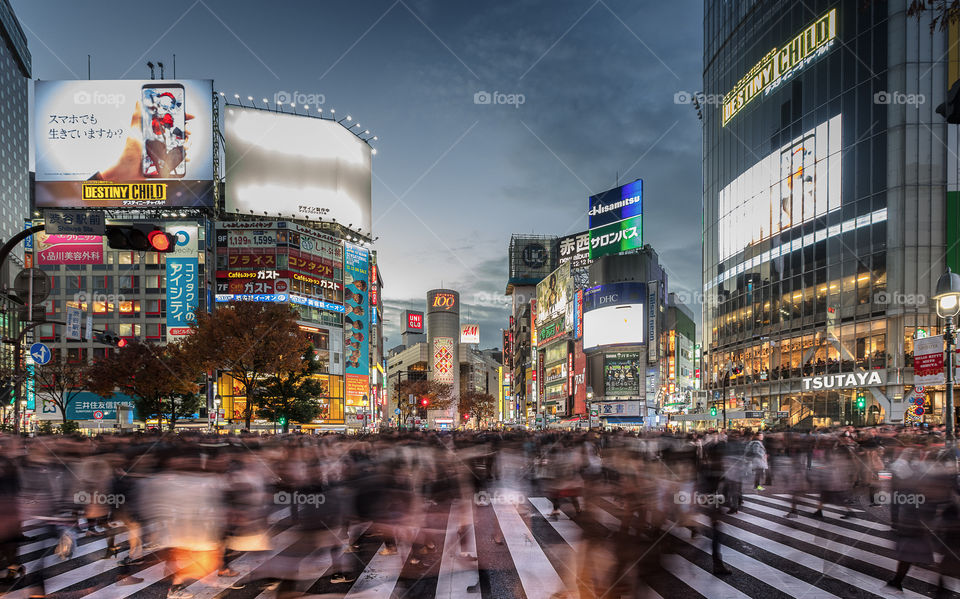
{"x":781,"y":63}
{"x":848,"y":380}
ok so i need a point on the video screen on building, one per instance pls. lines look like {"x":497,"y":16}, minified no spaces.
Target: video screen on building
{"x":296,"y":167}
{"x":123,"y":144}
{"x":791,"y":186}
{"x":614,"y":314}
{"x":553,"y":294}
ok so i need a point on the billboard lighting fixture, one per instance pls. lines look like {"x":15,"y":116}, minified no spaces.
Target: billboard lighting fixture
{"x":236,"y":96}
{"x":250,"y":98}
{"x":373,"y":151}
{"x":221,"y":95}
{"x":265,"y":101}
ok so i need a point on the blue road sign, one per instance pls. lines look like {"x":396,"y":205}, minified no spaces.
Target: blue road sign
{"x":40,"y":353}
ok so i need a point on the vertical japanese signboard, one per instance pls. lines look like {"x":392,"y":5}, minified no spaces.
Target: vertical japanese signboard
{"x":653,"y":309}
{"x":356,"y":324}
{"x":183,"y":281}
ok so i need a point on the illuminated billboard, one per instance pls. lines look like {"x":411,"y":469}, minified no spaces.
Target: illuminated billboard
{"x":553,"y":293}
{"x":780,"y":64}
{"x":575,"y":249}
{"x":469,"y":333}
{"x":295,"y":166}
{"x":123,"y":143}
{"x":356,"y":269}
{"x":621,"y":374}
{"x":791,"y":186}
{"x":413,"y":320}
{"x":616,"y":220}
{"x":613,"y":314}
{"x":443,"y":365}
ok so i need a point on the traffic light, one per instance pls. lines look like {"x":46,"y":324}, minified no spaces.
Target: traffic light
{"x":861,"y":401}
{"x":424,"y":402}
{"x":140,"y":237}
{"x":108,"y":338}
{"x":7,"y":392}
{"x":713,"y":410}
{"x":282,"y":421}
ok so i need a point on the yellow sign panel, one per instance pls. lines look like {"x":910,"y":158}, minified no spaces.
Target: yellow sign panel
{"x":105,"y":190}
{"x":781,"y":63}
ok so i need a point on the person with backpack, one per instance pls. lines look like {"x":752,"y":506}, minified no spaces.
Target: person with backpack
{"x":756,"y":457}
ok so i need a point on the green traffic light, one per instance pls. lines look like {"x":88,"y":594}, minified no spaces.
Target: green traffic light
{"x":713,"y":411}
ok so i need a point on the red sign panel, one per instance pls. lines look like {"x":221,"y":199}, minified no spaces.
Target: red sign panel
{"x":415,"y":321}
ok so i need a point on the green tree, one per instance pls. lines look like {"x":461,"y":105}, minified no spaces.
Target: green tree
{"x":478,"y":405}
{"x":157,"y":377}
{"x":250,"y":340}
{"x":291,"y":396}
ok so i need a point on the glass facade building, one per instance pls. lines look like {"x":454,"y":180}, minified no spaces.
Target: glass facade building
{"x":825,"y":190}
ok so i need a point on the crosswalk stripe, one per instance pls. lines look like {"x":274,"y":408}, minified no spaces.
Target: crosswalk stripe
{"x":700,"y":580}
{"x":458,"y":573}
{"x":757,"y":569}
{"x":826,"y":514}
{"x":815,"y":501}
{"x":843,"y":548}
{"x":539,"y":579}
{"x":817,"y":564}
{"x":383,"y":571}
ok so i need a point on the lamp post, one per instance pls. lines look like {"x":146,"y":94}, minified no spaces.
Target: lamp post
{"x":948,"y":306}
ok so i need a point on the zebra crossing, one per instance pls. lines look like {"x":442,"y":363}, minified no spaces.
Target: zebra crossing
{"x":523,"y":550}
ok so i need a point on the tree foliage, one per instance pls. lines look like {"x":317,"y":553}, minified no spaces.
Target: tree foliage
{"x":942,"y":12}
{"x":60,"y":382}
{"x":478,"y":405}
{"x":160,"y":378}
{"x":291,"y":396}
{"x":438,"y":396}
{"x":252,"y":341}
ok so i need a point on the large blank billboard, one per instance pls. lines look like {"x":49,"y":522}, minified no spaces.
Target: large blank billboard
{"x":296,"y":167}
{"x":615,"y":325}
{"x":123,"y":144}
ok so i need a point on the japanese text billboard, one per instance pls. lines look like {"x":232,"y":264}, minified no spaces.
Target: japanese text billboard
{"x":356,"y":326}
{"x":69,"y":249}
{"x":621,"y":374}
{"x":575,"y":249}
{"x":183,"y":281}
{"x":616,"y":223}
{"x":123,"y":143}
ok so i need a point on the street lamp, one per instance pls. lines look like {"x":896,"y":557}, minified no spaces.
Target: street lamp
{"x":948,"y":306}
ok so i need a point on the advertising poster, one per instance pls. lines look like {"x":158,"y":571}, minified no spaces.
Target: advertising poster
{"x":68,"y":249}
{"x":575,"y":249}
{"x":443,"y":360}
{"x":579,"y":379}
{"x":553,"y":293}
{"x":183,"y":281}
{"x":615,"y":217}
{"x":792,"y":185}
{"x":123,"y":143}
{"x":621,"y":374}
{"x":83,"y":405}
{"x":613,"y":314}
{"x":469,"y":333}
{"x":310,"y":168}
{"x":356,"y":331}
{"x":928,"y":361}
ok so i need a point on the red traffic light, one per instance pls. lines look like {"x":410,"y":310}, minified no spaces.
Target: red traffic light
{"x":121,"y":342}
{"x":424,"y":402}
{"x":159,"y":241}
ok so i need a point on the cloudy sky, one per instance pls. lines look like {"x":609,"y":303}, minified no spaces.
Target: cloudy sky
{"x":590,"y":89}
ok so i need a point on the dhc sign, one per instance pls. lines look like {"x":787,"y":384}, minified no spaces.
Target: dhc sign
{"x":848,"y":380}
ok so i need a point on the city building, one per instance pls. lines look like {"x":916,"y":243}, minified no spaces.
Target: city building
{"x":530,"y":259}
{"x":624,"y":329}
{"x":825,"y":180}
{"x":681,"y":331}
{"x":15,"y":72}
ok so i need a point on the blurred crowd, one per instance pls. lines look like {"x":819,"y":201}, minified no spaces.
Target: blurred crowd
{"x":319,"y":505}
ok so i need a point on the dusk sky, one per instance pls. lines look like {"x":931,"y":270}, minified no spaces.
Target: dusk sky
{"x":452,"y":178}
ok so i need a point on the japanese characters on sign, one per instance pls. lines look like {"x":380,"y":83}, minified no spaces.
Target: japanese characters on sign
{"x":183,"y":281}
